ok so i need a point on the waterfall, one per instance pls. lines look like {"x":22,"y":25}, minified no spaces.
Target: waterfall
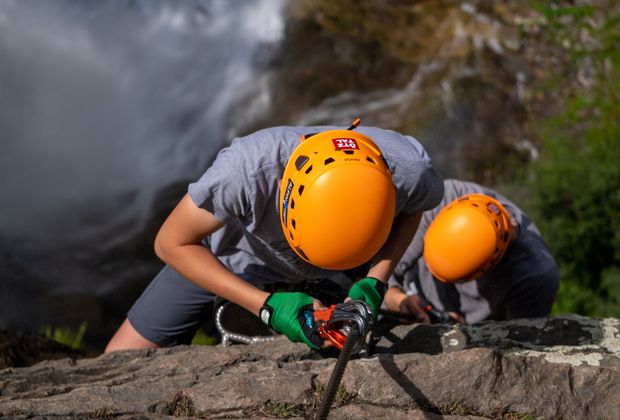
{"x":103,"y":104}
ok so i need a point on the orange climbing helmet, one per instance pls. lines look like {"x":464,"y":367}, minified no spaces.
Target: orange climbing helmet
{"x":337,"y":199}
{"x":467,"y":238}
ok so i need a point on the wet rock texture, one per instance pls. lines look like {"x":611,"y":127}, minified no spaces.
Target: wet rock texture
{"x":565,"y":367}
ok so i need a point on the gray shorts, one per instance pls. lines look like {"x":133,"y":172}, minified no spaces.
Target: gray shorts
{"x":171,"y":309}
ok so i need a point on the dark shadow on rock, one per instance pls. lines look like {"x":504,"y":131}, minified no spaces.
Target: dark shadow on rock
{"x":421,"y":338}
{"x":388,"y":365}
{"x":557,"y":331}
{"x":571,"y":330}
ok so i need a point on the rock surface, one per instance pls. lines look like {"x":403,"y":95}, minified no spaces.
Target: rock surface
{"x":565,"y":367}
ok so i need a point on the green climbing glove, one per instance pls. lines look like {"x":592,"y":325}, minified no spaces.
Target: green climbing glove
{"x":292,"y":314}
{"x":371,"y":291}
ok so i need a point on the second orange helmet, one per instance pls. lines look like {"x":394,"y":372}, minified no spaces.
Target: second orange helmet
{"x":467,"y":238}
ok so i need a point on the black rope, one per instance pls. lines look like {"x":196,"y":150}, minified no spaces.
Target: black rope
{"x":337,"y":373}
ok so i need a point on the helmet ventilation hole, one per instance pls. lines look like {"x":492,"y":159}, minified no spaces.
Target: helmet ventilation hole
{"x":300,"y":190}
{"x":292,"y":204}
{"x":348,"y":152}
{"x":371,"y":160}
{"x":301,"y":252}
{"x":308,"y":170}
{"x":329,"y":160}
{"x":293,"y":223}
{"x":301,"y":161}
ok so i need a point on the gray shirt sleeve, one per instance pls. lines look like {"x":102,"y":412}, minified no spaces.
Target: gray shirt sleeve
{"x":418,"y":185}
{"x":426,"y":192}
{"x":221,"y":189}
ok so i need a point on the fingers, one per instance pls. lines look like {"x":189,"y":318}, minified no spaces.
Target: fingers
{"x":317,"y":305}
{"x":401,"y":317}
{"x":456,"y":317}
{"x":411,"y":304}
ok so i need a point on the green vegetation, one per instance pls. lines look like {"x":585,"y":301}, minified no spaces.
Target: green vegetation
{"x":280,"y":409}
{"x":182,"y":406}
{"x":103,"y":413}
{"x":576,"y":184}
{"x":463,"y":408}
{"x":65,"y":335}
{"x":343,"y":397}
{"x":202,"y":339}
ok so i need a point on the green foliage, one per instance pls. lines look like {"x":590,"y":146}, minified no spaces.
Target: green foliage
{"x":554,"y":10}
{"x":65,"y":335}
{"x":576,"y":185}
{"x":280,"y":409}
{"x":343,"y":397}
{"x":202,"y":339}
{"x":182,"y":406}
{"x":103,"y":413}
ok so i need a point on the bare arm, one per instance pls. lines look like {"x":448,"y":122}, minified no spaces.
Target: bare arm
{"x":179,"y":244}
{"x":401,"y":235}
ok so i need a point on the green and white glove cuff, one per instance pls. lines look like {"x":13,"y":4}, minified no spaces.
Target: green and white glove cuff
{"x":371,"y":291}
{"x":292,"y":314}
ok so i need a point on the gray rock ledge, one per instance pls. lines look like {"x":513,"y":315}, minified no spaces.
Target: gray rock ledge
{"x":565,"y":367}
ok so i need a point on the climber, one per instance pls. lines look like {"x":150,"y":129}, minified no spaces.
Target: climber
{"x":341,"y":205}
{"x":476,"y":256}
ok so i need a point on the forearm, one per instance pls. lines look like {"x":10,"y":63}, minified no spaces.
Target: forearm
{"x":179,"y":244}
{"x":197,"y":263}
{"x":402,"y":233}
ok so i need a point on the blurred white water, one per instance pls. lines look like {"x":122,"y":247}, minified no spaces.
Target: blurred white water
{"x":116,"y":97}
{"x":103,"y":104}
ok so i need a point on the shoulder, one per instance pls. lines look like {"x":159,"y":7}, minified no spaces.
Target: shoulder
{"x":269,"y":146}
{"x":395,"y":145}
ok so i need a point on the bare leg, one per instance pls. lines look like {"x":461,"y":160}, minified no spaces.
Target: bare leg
{"x":127,"y":338}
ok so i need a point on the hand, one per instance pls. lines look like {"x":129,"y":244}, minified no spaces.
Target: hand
{"x":412,"y":308}
{"x":412,"y":305}
{"x":371,"y":291}
{"x":409,"y":306}
{"x":456,"y":317}
{"x":292,"y":314}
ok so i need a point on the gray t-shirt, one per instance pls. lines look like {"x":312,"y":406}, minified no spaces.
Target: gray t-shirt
{"x":241,"y":188}
{"x":522,"y":285}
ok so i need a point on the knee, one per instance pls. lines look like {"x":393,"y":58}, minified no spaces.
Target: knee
{"x":128,"y":338}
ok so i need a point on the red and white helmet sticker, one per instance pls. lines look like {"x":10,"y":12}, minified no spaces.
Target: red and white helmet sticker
{"x":345,"y":144}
